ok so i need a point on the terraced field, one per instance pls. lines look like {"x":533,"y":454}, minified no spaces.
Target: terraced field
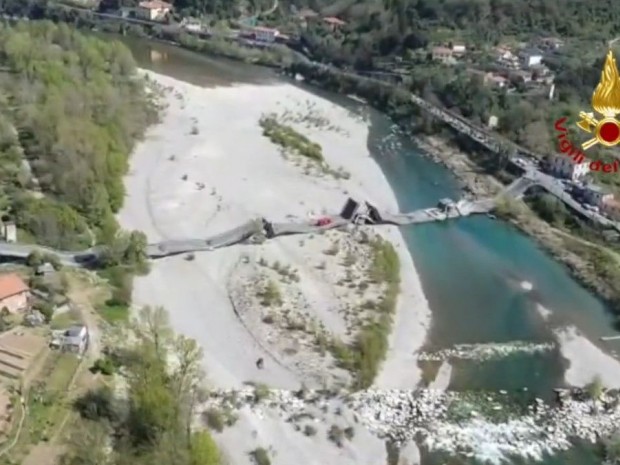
{"x":17,"y":350}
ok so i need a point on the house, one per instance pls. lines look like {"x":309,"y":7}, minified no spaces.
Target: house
{"x":14,"y":293}
{"x":564,"y":167}
{"x":506,"y":58}
{"x":154,"y":10}
{"x":334,"y":23}
{"x":531,"y":57}
{"x":550,"y":43}
{"x":75,"y":339}
{"x":261,"y":34}
{"x":611,"y":208}
{"x":496,"y":80}
{"x":443,"y":54}
{"x":523,"y":75}
{"x":595,"y":195}
{"x":307,"y":14}
{"x":9,"y":232}
{"x":193,"y":25}
{"x":459,"y":49}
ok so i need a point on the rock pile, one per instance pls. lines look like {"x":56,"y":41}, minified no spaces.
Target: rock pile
{"x":402,"y":416}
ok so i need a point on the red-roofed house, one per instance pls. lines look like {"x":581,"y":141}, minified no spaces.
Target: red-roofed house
{"x":154,"y":10}
{"x":14,"y":293}
{"x":334,"y":22}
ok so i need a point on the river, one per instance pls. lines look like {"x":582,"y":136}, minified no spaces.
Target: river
{"x":472,"y":269}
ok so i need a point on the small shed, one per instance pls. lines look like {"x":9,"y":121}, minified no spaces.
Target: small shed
{"x":75,"y":339}
{"x":46,"y":269}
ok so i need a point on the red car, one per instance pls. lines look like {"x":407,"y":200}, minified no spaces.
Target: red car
{"x":323,"y":221}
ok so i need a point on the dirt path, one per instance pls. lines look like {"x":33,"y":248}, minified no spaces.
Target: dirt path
{"x":81,"y":297}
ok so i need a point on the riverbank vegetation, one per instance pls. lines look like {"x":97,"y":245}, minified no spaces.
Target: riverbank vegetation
{"x":289,"y":139}
{"x":364,"y":355}
{"x":150,"y":420}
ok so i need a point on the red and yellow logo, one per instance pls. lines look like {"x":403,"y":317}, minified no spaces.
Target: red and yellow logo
{"x":606,"y":102}
{"x":605,"y":130}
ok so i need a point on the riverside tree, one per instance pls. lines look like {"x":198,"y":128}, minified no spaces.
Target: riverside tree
{"x":153,"y":424}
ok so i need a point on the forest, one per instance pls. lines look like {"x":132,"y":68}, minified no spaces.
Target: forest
{"x":72,"y":109}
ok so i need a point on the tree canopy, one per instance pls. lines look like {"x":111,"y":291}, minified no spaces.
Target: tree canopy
{"x":154,"y":423}
{"x":72,"y":107}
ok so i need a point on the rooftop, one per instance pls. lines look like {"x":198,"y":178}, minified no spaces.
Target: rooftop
{"x":531,"y":51}
{"x":75,"y":331}
{"x":155,"y":5}
{"x":334,"y":21}
{"x":11,"y":284}
{"x":262,"y":29}
{"x":307,"y":13}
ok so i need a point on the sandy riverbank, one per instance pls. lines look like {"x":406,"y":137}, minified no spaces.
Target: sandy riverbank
{"x":234,"y":173}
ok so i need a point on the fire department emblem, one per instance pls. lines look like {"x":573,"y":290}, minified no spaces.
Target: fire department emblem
{"x":606,"y":102}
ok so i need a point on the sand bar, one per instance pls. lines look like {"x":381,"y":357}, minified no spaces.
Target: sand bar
{"x":207,"y":168}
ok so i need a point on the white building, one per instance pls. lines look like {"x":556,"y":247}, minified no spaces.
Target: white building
{"x":459,"y":49}
{"x":531,"y":57}
{"x":153,"y":11}
{"x":563,"y":166}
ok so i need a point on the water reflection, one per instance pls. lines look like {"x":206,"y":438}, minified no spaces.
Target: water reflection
{"x":197,"y":69}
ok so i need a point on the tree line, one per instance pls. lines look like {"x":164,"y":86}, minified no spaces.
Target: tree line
{"x":72,"y":109}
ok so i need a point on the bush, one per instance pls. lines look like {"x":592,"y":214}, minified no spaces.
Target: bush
{"x":595,"y":388}
{"x":215,"y":419}
{"x":104,"y":366}
{"x":270,"y":295}
{"x":349,"y":432}
{"x":309,"y":430}
{"x":260,"y":456}
{"x":336,"y":435}
{"x":203,"y":450}
{"x":99,"y":404}
{"x":46,"y":309}
{"x":289,"y":139}
{"x":261,"y":392}
{"x":34,"y":259}
{"x":364,"y":356}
